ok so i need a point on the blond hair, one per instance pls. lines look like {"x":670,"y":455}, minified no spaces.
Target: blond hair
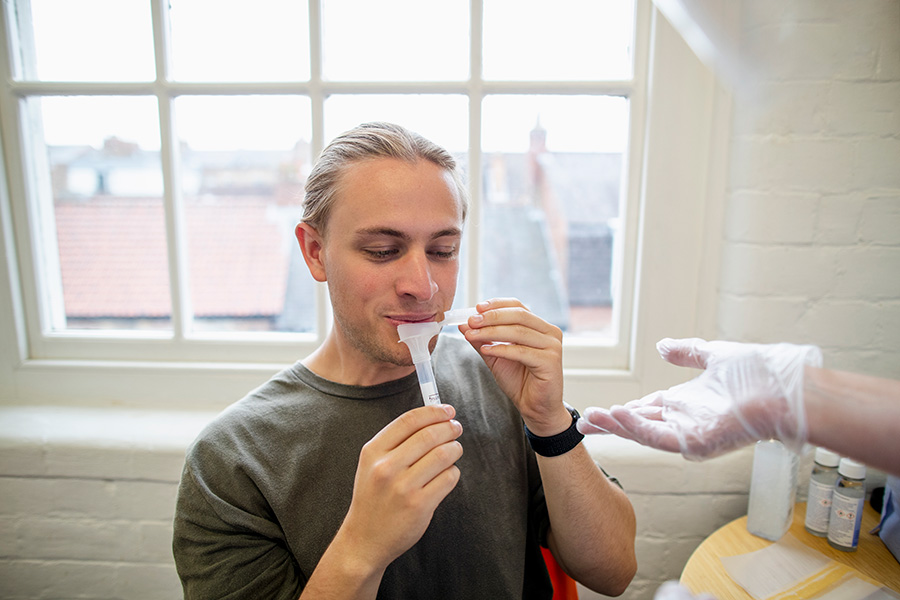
{"x":368,"y":141}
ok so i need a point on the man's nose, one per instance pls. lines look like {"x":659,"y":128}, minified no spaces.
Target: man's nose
{"x":415,"y":277}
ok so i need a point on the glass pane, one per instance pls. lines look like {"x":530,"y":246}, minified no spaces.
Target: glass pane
{"x":234,"y":40}
{"x":242,"y":185}
{"x":567,"y":39}
{"x":552,"y":184}
{"x":442,"y":119}
{"x":107,"y":191}
{"x":90,"y":40}
{"x":407,"y":40}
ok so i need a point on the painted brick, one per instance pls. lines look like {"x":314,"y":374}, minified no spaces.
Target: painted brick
{"x":873,"y":269}
{"x":57,"y":579}
{"x":9,"y":541}
{"x":664,"y":558}
{"x":150,"y":582}
{"x":146,"y":500}
{"x":839,"y":219}
{"x":880,"y":218}
{"x":771,"y":217}
{"x":680,"y":515}
{"x":811,"y":51}
{"x":761,"y":319}
{"x":877,"y":163}
{"x":783,"y":108}
{"x":836,"y":322}
{"x":156,"y":541}
{"x":644,"y":470}
{"x":861,"y":108}
{"x":85,"y":539}
{"x":800,"y":271}
{"x":793,"y":164}
{"x":880,"y":363}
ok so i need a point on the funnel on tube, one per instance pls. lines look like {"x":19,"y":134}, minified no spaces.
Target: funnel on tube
{"x":417,"y":336}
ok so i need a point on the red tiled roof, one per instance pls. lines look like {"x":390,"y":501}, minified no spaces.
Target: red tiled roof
{"x":113,"y":257}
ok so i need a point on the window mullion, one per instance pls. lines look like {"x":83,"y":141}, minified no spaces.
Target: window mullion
{"x":317,"y":105}
{"x":176,"y":240}
{"x":476,"y":95}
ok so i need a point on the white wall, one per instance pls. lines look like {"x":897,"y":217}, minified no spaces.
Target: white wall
{"x":811,"y":253}
{"x":811,"y":247}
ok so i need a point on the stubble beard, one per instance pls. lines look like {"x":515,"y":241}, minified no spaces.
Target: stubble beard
{"x":372,"y":346}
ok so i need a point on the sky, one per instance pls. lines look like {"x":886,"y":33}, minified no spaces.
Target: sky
{"x":379,"y":41}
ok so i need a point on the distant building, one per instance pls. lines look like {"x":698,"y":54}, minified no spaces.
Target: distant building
{"x":546,"y":234}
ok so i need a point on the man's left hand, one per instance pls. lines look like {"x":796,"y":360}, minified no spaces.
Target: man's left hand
{"x":524,"y":353}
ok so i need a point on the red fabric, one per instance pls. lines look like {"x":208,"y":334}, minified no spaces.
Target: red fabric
{"x":563,"y":586}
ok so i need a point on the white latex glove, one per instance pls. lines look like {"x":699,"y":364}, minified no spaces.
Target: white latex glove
{"x":747,"y":392}
{"x":672,"y":590}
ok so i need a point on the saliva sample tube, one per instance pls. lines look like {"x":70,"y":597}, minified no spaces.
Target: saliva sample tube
{"x":416,"y":336}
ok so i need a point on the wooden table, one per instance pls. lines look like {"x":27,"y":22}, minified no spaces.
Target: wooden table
{"x":704,"y":571}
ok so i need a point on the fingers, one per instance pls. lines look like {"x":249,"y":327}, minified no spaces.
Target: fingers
{"x":597,"y":420}
{"x":649,"y":432}
{"x":688,"y":352}
{"x":404,"y":473}
{"x":410,"y":422}
{"x":505,"y":328}
{"x":626,"y":423}
{"x":419,"y":444}
{"x":433,"y":451}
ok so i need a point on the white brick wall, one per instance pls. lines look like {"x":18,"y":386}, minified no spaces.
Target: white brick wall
{"x":811,"y":247}
{"x":86,"y":501}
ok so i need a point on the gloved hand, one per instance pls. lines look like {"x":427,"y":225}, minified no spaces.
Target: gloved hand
{"x":672,"y":590}
{"x":747,"y":392}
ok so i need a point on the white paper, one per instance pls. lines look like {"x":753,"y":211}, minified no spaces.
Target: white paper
{"x":774,"y":569}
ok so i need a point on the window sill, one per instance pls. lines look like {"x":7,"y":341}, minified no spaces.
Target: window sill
{"x":211,"y":386}
{"x":149,"y":445}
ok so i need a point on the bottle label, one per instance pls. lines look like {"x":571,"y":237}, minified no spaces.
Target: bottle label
{"x":845,"y":519}
{"x":818,"y":506}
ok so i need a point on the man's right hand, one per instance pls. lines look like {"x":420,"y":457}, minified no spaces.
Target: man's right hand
{"x":404,"y":473}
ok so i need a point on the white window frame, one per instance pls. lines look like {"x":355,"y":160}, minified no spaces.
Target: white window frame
{"x":679,"y":124}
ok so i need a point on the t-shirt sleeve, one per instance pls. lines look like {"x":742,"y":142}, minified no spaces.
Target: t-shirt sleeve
{"x":223,"y":550}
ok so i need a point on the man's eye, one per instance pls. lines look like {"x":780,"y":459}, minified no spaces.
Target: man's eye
{"x":444,"y":254}
{"x":380,"y":253}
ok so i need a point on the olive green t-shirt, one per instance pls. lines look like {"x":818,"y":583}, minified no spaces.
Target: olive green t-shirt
{"x":267,"y":484}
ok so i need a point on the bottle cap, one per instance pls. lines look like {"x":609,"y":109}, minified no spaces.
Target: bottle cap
{"x":827,"y":458}
{"x":852,"y":469}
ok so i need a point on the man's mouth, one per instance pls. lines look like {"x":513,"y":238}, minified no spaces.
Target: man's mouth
{"x":400,"y":319}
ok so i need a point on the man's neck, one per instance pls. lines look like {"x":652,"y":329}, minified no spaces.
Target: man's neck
{"x":338,"y":363}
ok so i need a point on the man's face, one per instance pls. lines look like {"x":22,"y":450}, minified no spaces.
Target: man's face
{"x":390,"y":253}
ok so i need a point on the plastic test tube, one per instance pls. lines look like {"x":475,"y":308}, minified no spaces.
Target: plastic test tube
{"x":416,"y":336}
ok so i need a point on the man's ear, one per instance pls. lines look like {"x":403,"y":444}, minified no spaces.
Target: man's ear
{"x":311,"y":244}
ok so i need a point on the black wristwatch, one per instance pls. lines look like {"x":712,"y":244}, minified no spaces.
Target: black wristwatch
{"x":560,"y":443}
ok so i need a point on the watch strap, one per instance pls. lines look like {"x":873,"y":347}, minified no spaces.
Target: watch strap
{"x":555,"y":445}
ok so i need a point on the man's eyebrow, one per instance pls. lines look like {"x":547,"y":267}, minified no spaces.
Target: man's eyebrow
{"x":381,"y":231}
{"x":390,"y":232}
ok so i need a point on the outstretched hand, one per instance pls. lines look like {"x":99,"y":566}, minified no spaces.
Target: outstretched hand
{"x":746,"y":392}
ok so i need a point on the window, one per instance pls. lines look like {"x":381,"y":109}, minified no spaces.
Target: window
{"x":156,"y":165}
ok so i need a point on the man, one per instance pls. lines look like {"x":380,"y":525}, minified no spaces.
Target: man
{"x":332,"y":480}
